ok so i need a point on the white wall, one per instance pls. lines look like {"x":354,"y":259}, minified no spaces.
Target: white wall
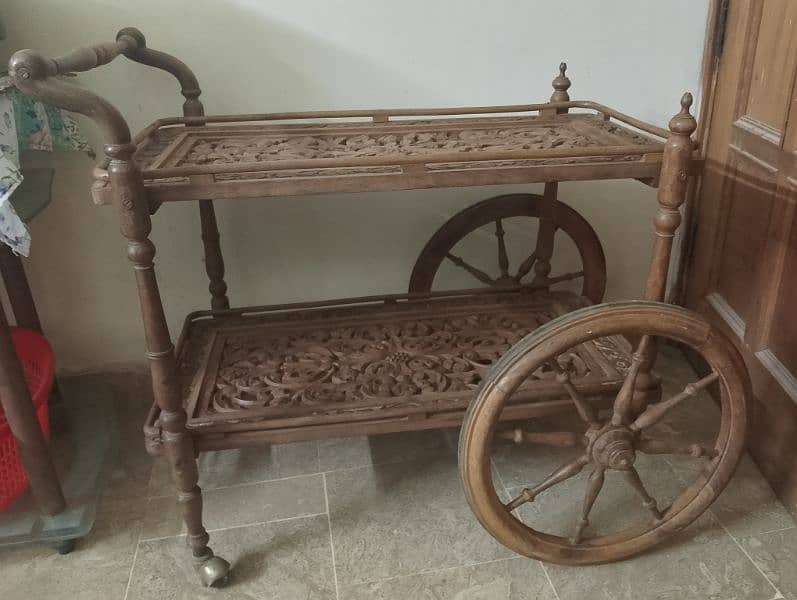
{"x":264,"y":55}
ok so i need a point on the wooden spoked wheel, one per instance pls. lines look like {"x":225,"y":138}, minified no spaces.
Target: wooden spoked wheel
{"x":609,"y":444}
{"x":534,"y":269}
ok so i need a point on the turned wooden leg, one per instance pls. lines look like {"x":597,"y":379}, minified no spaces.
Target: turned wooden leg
{"x":545,"y":236}
{"x":673,"y":180}
{"x":671,"y":195}
{"x":547,"y":229}
{"x":214,"y":263}
{"x":136,"y":226}
{"x":647,"y":385}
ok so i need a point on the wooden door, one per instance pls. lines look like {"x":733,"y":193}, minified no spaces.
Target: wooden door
{"x":742,"y":271}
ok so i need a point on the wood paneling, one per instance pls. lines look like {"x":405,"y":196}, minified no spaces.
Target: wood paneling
{"x":743,"y":239}
{"x":774,"y":63}
{"x":742,"y":273}
{"x":783,"y":340}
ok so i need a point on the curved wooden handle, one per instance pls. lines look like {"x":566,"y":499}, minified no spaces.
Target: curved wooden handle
{"x":37,"y":76}
{"x":85,"y":59}
{"x":138,"y":52}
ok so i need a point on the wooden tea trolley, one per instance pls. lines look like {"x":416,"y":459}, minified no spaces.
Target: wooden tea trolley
{"x":487,"y":359}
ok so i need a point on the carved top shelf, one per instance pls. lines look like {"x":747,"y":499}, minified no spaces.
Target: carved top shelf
{"x":191,"y":158}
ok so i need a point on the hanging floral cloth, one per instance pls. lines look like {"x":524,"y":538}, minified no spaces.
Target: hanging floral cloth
{"x":26,"y":124}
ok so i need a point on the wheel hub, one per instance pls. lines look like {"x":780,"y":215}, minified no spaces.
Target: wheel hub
{"x":612,"y":447}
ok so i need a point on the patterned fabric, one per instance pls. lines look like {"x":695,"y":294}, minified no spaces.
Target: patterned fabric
{"x":9,"y":143}
{"x":12,"y":231}
{"x":26,"y":124}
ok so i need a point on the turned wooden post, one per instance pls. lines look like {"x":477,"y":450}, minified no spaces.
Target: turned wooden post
{"x":131,"y":202}
{"x":214,"y":263}
{"x":129,"y":193}
{"x":546,"y":231}
{"x":192,"y":107}
{"x":211,"y":242}
{"x":673,"y":180}
{"x":672,"y":194}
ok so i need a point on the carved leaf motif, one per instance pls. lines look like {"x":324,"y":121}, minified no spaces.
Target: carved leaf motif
{"x":379,"y":361}
{"x":340,"y":361}
{"x":319,"y":141}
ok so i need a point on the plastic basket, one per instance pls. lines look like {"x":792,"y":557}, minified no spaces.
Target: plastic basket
{"x":38,"y":364}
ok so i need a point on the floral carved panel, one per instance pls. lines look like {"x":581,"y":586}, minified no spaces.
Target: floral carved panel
{"x":412,"y":361}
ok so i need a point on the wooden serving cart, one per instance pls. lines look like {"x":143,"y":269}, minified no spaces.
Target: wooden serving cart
{"x":510,"y":350}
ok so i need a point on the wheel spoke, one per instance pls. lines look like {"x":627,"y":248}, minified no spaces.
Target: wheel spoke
{"x":632,"y":477}
{"x":585,"y":410}
{"x":656,"y":446}
{"x":626,"y":394}
{"x":565,"y":277}
{"x":526,"y":266}
{"x":655,"y":412}
{"x":477,"y":273}
{"x":558,"y":439}
{"x":561,"y":474}
{"x":503,"y":259}
{"x":520,"y":500}
{"x":594,"y":486}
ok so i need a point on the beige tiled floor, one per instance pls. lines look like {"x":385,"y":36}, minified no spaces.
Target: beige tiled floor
{"x":384,"y":518}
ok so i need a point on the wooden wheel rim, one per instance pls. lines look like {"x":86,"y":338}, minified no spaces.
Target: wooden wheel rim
{"x":487,"y":211}
{"x":506,"y":375}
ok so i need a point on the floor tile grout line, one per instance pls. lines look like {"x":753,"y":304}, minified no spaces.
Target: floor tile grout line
{"x":381,"y":463}
{"x":331,"y":543}
{"x":319,"y":472}
{"x":791,"y":527}
{"x":269,"y":522}
{"x":500,"y":479}
{"x":550,"y":582}
{"x":206,"y":490}
{"x":778,"y":594}
{"x":254,"y":524}
{"x":135,"y":555}
{"x":132,"y":567}
{"x":542,"y":565}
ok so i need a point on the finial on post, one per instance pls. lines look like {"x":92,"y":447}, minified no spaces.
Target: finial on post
{"x":684,"y":123}
{"x":560,"y":85}
{"x":676,"y":165}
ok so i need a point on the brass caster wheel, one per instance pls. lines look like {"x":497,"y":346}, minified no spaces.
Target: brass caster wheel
{"x":510,"y":219}
{"x":213,"y":571}
{"x":618,"y":481}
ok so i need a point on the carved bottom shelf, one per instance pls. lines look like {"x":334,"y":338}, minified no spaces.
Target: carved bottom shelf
{"x":359,"y":367}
